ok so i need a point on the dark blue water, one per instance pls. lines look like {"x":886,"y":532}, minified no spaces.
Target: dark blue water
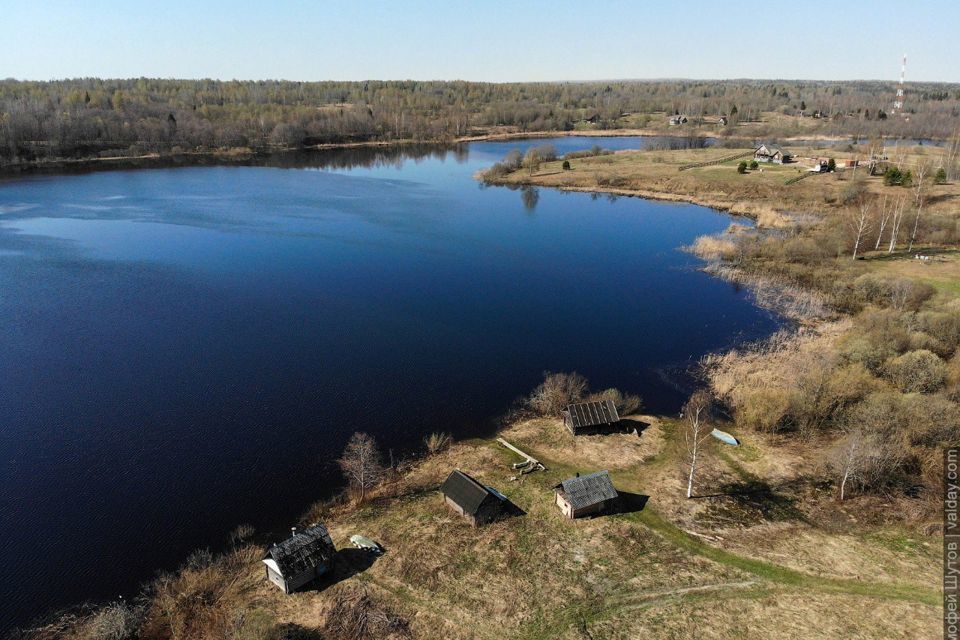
{"x":184,"y":350}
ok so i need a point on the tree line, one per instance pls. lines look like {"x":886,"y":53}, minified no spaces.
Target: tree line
{"x":90,"y":117}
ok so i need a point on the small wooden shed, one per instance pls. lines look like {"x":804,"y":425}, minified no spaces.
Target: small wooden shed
{"x":586,"y":495}
{"x":476,"y":503}
{"x":586,"y":417}
{"x":300,"y":559}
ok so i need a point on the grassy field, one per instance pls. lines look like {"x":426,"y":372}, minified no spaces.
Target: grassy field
{"x":762,"y":193}
{"x":725,"y":566}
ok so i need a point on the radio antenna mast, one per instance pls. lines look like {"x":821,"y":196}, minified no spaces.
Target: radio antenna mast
{"x":898,"y":102}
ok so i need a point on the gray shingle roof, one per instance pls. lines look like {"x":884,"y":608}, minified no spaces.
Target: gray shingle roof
{"x":305,"y":550}
{"x":591,"y":414}
{"x":587,"y":490}
{"x":466,"y":492}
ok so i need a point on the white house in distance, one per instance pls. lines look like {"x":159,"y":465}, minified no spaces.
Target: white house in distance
{"x":771,"y":153}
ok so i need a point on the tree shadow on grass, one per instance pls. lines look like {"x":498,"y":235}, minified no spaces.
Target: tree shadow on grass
{"x":751,"y":501}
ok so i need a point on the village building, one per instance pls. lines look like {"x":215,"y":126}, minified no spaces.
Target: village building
{"x":586,"y":495}
{"x":300,"y":559}
{"x":587,"y":417}
{"x":477,"y":503}
{"x":771,"y":153}
{"x":677,"y":119}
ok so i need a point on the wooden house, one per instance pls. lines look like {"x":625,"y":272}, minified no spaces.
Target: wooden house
{"x":300,"y":559}
{"x":476,"y":503}
{"x":678,"y":119}
{"x":586,"y":495}
{"x":585,"y":417}
{"x":771,"y":153}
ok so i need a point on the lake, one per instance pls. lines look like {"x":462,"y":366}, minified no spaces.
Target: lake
{"x":184,"y":350}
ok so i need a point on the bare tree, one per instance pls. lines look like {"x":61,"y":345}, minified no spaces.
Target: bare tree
{"x":556,"y":392}
{"x":895,"y":224}
{"x":918,"y":203}
{"x":884,"y":217}
{"x":361,"y":464}
{"x":860,"y":223}
{"x":855,"y":458}
{"x":696,"y":412}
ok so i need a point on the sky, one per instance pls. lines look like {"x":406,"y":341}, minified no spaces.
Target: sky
{"x":484,"y":41}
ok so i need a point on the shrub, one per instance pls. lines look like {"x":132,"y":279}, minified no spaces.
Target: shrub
{"x":754,"y":164}
{"x":353,"y":614}
{"x":916,"y":371}
{"x":437,"y":442}
{"x":831,"y":165}
{"x":557,"y":391}
{"x":242,"y":533}
{"x":742,"y":167}
{"x":940,"y":177}
{"x":626,"y":403}
{"x":566,"y":165}
{"x":547,"y":152}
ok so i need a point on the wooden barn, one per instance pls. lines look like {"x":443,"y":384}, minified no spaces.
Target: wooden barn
{"x":586,"y":495}
{"x":771,"y":153}
{"x":586,"y":417}
{"x":300,"y":559}
{"x":476,"y":503}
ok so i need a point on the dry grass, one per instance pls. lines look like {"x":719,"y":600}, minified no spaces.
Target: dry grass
{"x":540,"y":575}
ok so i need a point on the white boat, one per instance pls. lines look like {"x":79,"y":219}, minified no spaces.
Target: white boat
{"x":363,"y":542}
{"x":725,"y":437}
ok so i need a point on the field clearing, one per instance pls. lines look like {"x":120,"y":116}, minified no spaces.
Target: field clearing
{"x":942,"y":271}
{"x":760,"y":193}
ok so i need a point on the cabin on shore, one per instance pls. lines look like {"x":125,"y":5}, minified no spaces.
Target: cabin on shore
{"x":586,"y":495}
{"x":677,"y":120}
{"x":771,"y":153}
{"x":300,"y":559}
{"x":587,"y":417}
{"x":476,"y":503}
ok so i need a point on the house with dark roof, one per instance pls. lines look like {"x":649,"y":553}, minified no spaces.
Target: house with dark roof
{"x":476,"y":503}
{"x":771,"y":153}
{"x":586,"y":495}
{"x":300,"y":559}
{"x":585,"y":417}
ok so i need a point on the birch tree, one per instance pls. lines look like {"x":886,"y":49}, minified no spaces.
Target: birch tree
{"x":882,"y":223}
{"x":361,"y":464}
{"x":918,"y":203}
{"x":696,"y":413}
{"x":856,"y":458}
{"x":895,"y":224}
{"x":860,"y":224}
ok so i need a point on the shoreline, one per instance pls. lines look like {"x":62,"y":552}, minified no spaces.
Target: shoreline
{"x":241,"y":155}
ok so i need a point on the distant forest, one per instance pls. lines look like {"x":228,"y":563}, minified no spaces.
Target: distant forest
{"x":89,"y":117}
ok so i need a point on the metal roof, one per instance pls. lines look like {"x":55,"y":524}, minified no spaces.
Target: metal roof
{"x":305,"y":550}
{"x":466,"y":492}
{"x":584,"y":491}
{"x":591,"y":414}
